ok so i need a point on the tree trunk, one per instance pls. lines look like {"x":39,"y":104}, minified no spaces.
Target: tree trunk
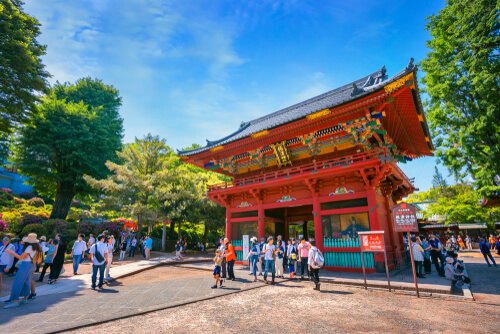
{"x":139,"y":227}
{"x":172,"y":229}
{"x":179,"y":232}
{"x":205,"y":235}
{"x":64,"y":198}
{"x":164,"y":237}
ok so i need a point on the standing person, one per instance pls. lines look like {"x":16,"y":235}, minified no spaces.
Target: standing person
{"x":49,"y":258}
{"x":89,"y":244}
{"x":230,"y":259}
{"x":109,"y":260}
{"x":485,"y":250}
{"x":123,"y":249}
{"x":314,"y":264}
{"x":223,"y":252}
{"x":254,"y":256}
{"x":178,"y":250}
{"x":18,"y":249}
{"x":185,"y":244}
{"x":113,"y":241}
{"x":133,"y":244}
{"x":79,"y":247}
{"x":57,"y":264}
{"x":303,"y":249}
{"x":436,"y":254}
{"x":427,"y":254}
{"x":261,"y":263}
{"x":32,"y":254}
{"x":217,"y":261}
{"x":269,"y":251}
{"x":468,"y":242}
{"x":291,"y":264}
{"x":292,"y":248}
{"x":493,"y":241}
{"x":6,"y":259}
{"x":99,"y":256}
{"x":147,"y":247}
{"x":418,"y":256}
{"x":460,"y":242}
{"x":143,"y":247}
{"x":280,"y":250}
{"x":43,"y":242}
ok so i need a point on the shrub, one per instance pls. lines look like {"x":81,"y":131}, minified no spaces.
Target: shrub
{"x":3,"y":225}
{"x":36,"y":202}
{"x":33,"y":219}
{"x":27,"y":195}
{"x":34,"y":228}
{"x":7,"y":191}
{"x":15,"y":225}
{"x":85,"y":227}
{"x":55,"y":226}
{"x":19,"y":201}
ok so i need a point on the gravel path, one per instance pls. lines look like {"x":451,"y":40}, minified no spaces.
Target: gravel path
{"x":295,"y":308}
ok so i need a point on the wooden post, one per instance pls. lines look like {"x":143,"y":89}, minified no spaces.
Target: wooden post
{"x":228,"y":223}
{"x":318,"y":229}
{"x":413,"y":265}
{"x":261,"y":222}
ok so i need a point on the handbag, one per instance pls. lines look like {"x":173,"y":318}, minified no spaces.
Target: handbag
{"x":98,"y":255}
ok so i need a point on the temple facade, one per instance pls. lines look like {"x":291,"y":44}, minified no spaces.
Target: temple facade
{"x":325,"y":168}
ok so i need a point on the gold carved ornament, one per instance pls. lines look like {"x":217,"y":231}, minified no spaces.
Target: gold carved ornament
{"x":401,"y":82}
{"x":281,"y":153}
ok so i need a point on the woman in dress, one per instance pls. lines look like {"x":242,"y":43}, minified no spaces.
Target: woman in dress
{"x":57,"y":263}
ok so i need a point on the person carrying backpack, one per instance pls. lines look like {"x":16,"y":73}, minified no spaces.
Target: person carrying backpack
{"x":316,"y":262}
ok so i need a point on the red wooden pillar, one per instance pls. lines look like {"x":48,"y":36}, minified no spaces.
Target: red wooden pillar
{"x":228,"y":223}
{"x":371,"y":196}
{"x":261,"y":222}
{"x":318,"y":228}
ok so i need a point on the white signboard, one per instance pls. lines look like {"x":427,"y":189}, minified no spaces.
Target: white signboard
{"x":246,"y":247}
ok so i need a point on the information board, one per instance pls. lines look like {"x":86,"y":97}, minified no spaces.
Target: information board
{"x":372,"y":243}
{"x":405,"y":218}
{"x":246,"y":247}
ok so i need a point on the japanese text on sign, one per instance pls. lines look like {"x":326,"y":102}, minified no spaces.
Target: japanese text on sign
{"x":405,"y":218}
{"x":372,"y":242}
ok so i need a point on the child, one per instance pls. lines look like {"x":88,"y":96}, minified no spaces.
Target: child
{"x":178,"y":250}
{"x":291,"y":264}
{"x":218,"y":262}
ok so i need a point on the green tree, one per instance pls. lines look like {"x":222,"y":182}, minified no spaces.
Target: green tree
{"x":462,"y":82}
{"x":22,"y":73}
{"x":76,"y":130}
{"x":147,"y":176}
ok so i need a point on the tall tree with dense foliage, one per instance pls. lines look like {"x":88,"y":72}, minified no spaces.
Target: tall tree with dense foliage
{"x":22,"y":73}
{"x":146,"y":177}
{"x":76,"y":130}
{"x":462,"y":82}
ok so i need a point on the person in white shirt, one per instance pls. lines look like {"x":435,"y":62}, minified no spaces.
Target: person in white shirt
{"x":133,"y":243}
{"x":313,"y":269}
{"x":269,"y":252}
{"x":113,"y":241}
{"x":110,"y":259}
{"x":89,"y":244}
{"x":79,"y":247}
{"x":97,"y":265}
{"x":6,"y":259}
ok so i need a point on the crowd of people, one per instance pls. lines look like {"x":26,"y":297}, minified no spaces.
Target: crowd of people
{"x":268,"y":257}
{"x":22,"y":257}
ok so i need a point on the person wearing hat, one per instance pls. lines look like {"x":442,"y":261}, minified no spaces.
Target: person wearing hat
{"x":6,"y":259}
{"x":32,"y":253}
{"x":451,"y":274}
{"x":254,"y":257}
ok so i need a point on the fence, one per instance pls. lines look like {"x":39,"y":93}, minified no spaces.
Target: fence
{"x":169,"y":245}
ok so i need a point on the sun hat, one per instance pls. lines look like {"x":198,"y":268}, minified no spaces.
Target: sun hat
{"x":31,"y":238}
{"x":449,"y":260}
{"x":43,"y":238}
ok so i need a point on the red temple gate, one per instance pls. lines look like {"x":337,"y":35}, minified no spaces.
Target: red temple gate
{"x":328,"y":164}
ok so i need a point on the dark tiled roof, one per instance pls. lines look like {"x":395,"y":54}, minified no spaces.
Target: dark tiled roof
{"x":333,"y":98}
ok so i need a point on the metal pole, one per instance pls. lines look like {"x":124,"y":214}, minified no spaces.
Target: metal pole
{"x":363,"y":262}
{"x":386,"y":266}
{"x":413,"y":265}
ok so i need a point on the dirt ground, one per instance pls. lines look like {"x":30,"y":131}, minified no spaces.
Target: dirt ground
{"x":295,"y":308}
{"x":163,"y":273}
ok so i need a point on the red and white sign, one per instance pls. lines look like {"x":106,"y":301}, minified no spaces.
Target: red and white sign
{"x":405,"y":218}
{"x":372,"y":242}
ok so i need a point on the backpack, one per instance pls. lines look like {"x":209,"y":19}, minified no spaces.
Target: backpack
{"x":38,"y":258}
{"x":319,"y":260}
{"x":98,"y":256}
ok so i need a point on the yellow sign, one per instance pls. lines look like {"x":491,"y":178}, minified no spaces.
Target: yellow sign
{"x":282,"y":157}
{"x":399,"y":83}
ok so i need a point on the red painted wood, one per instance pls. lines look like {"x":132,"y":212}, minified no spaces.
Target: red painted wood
{"x":350,"y":269}
{"x":245,"y":219}
{"x":238,"y":248}
{"x":228,"y":223}
{"x":261,"y":223}
{"x":347,"y":210}
{"x":318,"y":228}
{"x":342,"y":197}
{"x":299,"y":202}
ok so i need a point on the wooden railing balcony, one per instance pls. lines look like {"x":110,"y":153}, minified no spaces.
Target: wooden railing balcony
{"x":311,"y":168}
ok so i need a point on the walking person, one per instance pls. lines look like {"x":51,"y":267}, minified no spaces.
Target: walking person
{"x":485,"y":250}
{"x":49,"y":258}
{"x":147,"y":247}
{"x":43,"y":242}
{"x":303,"y":250}
{"x":57,"y":264}
{"x":254,"y":257}
{"x":223,"y":252}
{"x":217,"y":262}
{"x":280,"y":250}
{"x":468,"y":242}
{"x":32,"y":255}
{"x":178,"y":250}
{"x":6,"y":259}
{"x":18,"y":249}
{"x":315,"y":261}
{"x":89,"y":244}
{"x":109,"y":244}
{"x":230,"y":259}
{"x":99,"y":256}
{"x":269,"y":251}
{"x":133,"y":244}
{"x":79,"y":247}
{"x":427,"y":254}
{"x":123,"y":250}
{"x":260,"y":263}
{"x":418,"y":256}
{"x":436,"y":254}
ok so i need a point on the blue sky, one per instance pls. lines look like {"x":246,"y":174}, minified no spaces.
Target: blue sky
{"x":194,"y":70}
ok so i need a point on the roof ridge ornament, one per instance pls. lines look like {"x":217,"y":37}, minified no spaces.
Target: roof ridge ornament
{"x":410,"y":65}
